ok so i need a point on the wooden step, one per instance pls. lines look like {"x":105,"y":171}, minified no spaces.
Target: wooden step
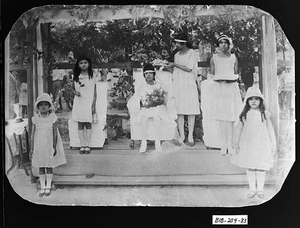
{"x":179,"y":180}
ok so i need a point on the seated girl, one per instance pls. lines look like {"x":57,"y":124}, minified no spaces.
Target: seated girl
{"x":152,"y":112}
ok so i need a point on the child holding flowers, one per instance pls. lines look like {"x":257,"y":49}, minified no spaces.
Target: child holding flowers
{"x":150,"y":101}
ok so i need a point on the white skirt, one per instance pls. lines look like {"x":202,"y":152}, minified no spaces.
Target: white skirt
{"x":225,"y":101}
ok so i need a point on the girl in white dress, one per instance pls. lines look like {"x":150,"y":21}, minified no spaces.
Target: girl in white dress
{"x":84,"y":101}
{"x":255,"y":142}
{"x":151,"y":100}
{"x":46,"y":145}
{"x":225,"y":98}
{"x":185,"y":86}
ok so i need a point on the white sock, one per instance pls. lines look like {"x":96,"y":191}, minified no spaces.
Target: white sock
{"x":42,"y":181}
{"x":143,"y":147}
{"x":144,"y":142}
{"x":49,"y":180}
{"x":251,"y":180}
{"x":157,"y":145}
{"x":261,"y":176}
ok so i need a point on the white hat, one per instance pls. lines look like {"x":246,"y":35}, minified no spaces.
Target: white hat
{"x":254,"y":92}
{"x":44,"y":97}
{"x":223,"y":37}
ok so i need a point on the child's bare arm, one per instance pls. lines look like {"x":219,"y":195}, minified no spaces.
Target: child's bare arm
{"x":32,"y":141}
{"x":236,"y":68}
{"x":238,"y":132}
{"x":94,"y":99}
{"x":272,"y":135}
{"x":77,"y":93}
{"x":212,"y":66}
{"x":54,"y":137}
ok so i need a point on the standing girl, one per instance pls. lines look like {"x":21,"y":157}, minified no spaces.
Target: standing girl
{"x":84,"y":101}
{"x":255,"y":142}
{"x":185,"y":86}
{"x":225,"y":98}
{"x":46,"y":145}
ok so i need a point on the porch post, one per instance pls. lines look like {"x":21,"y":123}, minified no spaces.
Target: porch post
{"x":269,"y":77}
{"x":269,"y":69}
{"x":39,"y":60}
{"x":47,"y":79}
{"x":30,"y":87}
{"x":6,"y":76}
{"x":30,"y":81}
{"x":34,"y":63}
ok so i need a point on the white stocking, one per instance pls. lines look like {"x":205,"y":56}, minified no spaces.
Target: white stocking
{"x":180,"y":124}
{"x":88,"y":134}
{"x":261,"y":176}
{"x":191,"y":122}
{"x":43,"y":181}
{"x":81,"y":139}
{"x":49,"y":180}
{"x":251,"y":179}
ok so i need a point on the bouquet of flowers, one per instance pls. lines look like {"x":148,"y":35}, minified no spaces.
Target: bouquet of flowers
{"x":80,"y":81}
{"x":155,"y":98}
{"x":159,"y":62}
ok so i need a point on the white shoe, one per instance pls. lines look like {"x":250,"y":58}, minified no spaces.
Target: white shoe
{"x":143,"y":147}
{"x":223,"y":150}
{"x":158,"y":146}
{"x":231,"y":150}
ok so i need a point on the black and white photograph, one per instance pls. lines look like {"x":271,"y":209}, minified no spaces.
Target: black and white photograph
{"x":148,"y":105}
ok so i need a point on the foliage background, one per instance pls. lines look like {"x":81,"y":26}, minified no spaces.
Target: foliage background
{"x":139,"y":39}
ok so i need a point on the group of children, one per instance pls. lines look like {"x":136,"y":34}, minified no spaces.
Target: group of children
{"x":252,"y":144}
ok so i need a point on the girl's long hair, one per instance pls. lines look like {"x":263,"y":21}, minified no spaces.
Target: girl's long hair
{"x":243,"y":115}
{"x":77,"y":70}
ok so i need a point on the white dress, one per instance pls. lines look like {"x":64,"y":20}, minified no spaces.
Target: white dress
{"x":184,"y":84}
{"x":98,"y":135}
{"x":82,"y":107}
{"x":225,"y":98}
{"x":255,"y":143}
{"x":43,"y":143}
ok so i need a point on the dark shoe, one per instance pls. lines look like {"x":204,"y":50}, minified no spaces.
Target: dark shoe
{"x":42,"y":192}
{"x":191,"y":144}
{"x":87,"y":150}
{"x":47,"y":192}
{"x":82,"y":149}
